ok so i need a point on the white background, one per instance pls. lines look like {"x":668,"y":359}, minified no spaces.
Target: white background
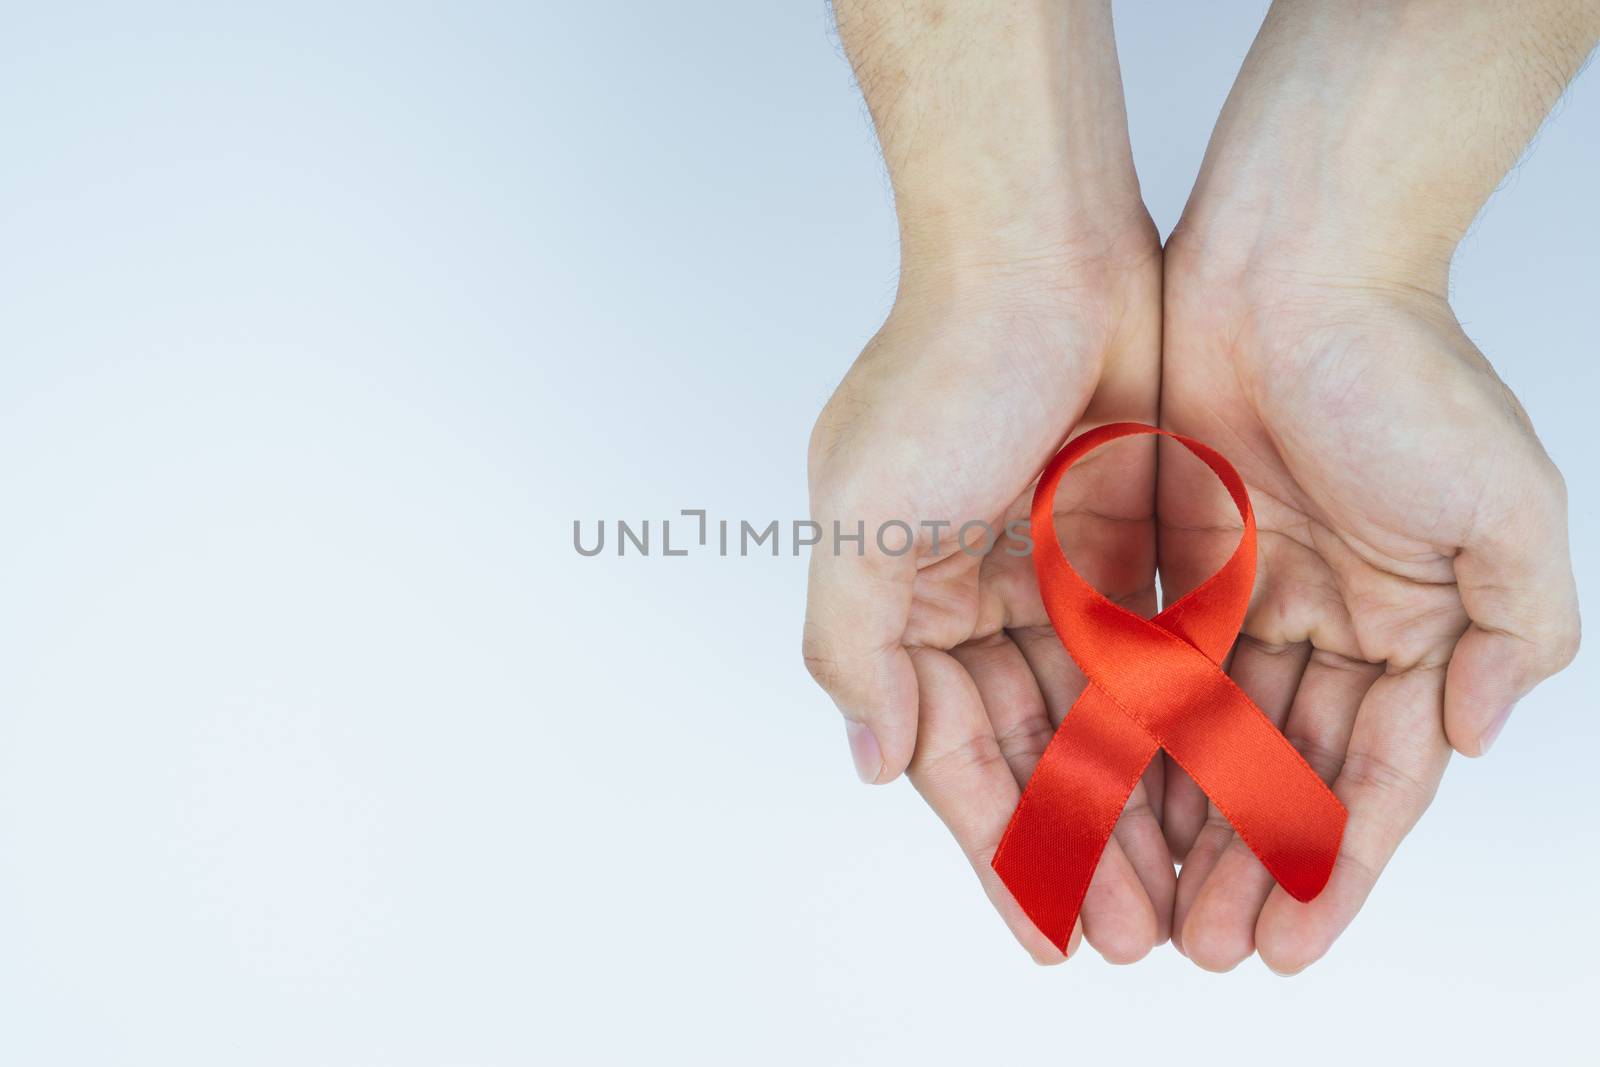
{"x":319,"y":744}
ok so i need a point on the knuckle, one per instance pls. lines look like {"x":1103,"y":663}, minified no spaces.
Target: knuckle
{"x":1364,"y":770}
{"x":1026,"y":740}
{"x":977,"y":752}
{"x":1323,"y":757}
{"x":1568,"y":639}
{"x":820,"y":661}
{"x":1557,"y":643}
{"x":824,"y":671}
{"x":1138,"y":809}
{"x":1564,"y":649}
{"x":1553,"y":482}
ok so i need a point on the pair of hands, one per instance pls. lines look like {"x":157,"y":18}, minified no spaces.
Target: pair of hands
{"x":1413,"y":579}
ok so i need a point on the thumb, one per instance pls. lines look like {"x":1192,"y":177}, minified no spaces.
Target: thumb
{"x":1517,"y":586}
{"x":857,"y":603}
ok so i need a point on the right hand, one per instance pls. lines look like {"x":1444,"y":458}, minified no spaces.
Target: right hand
{"x":942,"y":661}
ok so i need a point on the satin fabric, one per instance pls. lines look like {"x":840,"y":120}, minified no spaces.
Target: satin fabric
{"x":1156,"y":684}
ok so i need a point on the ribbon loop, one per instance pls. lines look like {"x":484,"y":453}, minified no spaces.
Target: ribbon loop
{"x":1153,"y":684}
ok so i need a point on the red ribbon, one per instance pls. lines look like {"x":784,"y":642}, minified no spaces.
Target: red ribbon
{"x":1155,"y":684}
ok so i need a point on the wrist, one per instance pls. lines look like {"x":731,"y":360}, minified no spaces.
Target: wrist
{"x":1360,"y":141}
{"x":1303,"y":191}
{"x":1003,"y":129}
{"x":1308,"y":244}
{"x":1298,"y":187}
{"x":1049,"y":236}
{"x":1033,"y":268}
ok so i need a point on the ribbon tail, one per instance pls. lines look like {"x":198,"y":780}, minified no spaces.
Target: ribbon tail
{"x":1276,"y":803}
{"x":1068,"y":811}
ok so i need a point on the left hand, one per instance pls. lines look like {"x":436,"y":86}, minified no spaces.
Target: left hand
{"x":1413,"y":581}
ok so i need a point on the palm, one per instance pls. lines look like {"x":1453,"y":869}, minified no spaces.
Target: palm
{"x":1370,"y":432}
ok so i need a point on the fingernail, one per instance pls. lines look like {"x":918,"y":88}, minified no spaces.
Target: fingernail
{"x":1494,"y":729}
{"x":864,"y":750}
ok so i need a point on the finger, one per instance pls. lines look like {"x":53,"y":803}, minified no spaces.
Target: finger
{"x":1118,"y":918}
{"x":856,"y":612}
{"x":1268,"y":674}
{"x":1205,"y":835}
{"x":1011,"y":698}
{"x":1127,"y":910}
{"x":1059,"y":679}
{"x":1155,"y":793}
{"x":1326,"y":706}
{"x":1320,"y":720}
{"x":1184,"y":809}
{"x":1138,"y":834}
{"x":1210,"y":842}
{"x":1395,"y":758}
{"x":1517,"y":586}
{"x":1116,"y":911}
{"x":962,"y":774}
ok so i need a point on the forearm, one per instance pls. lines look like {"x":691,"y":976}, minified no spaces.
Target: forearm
{"x":1369,"y":135}
{"x":1003,"y":125}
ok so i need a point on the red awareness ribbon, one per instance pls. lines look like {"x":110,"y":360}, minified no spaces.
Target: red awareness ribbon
{"x":1153,"y":684}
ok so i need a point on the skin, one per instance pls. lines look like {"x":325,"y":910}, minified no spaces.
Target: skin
{"x":1414,"y":579}
{"x":1030,"y":285}
{"x":1414,"y":576}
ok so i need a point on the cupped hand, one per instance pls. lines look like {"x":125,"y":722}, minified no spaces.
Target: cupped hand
{"x":941,"y":658}
{"x":1414,"y":578}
